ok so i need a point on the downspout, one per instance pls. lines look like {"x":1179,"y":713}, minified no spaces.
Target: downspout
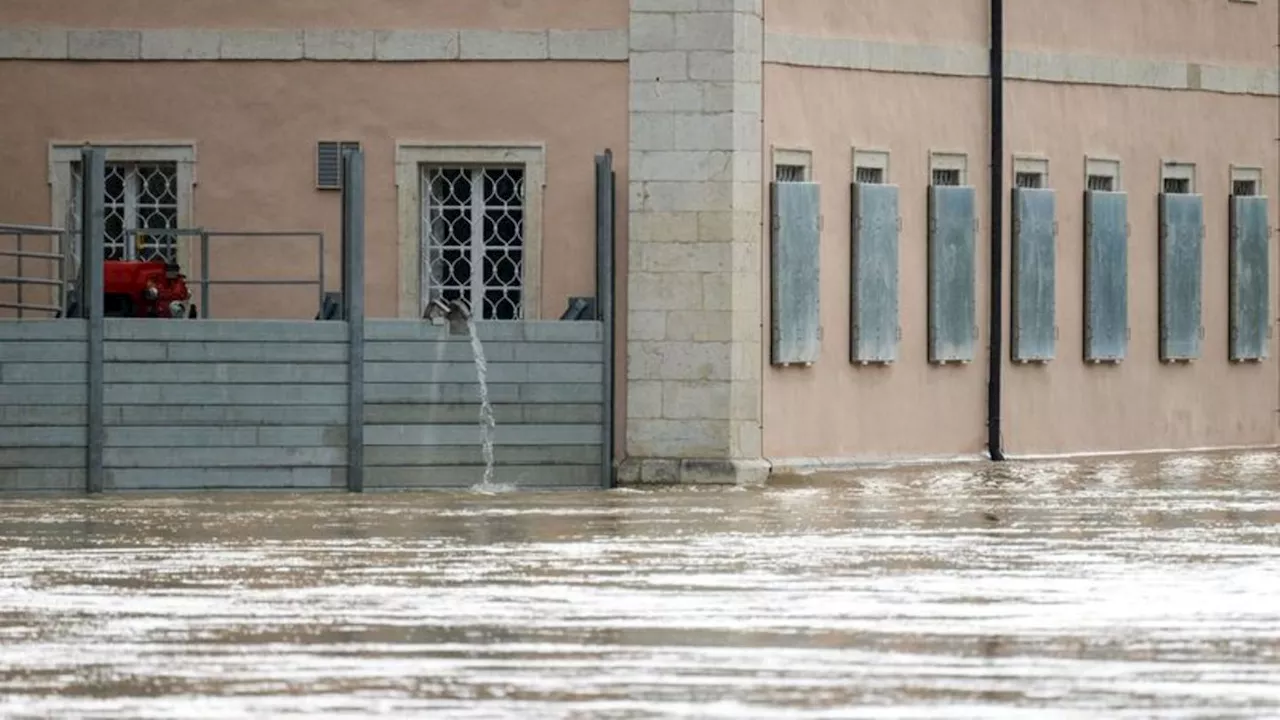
{"x":996,"y":320}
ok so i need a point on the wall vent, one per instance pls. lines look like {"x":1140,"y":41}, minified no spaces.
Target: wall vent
{"x":329,"y":163}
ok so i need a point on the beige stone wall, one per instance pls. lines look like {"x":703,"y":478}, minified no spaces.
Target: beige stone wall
{"x":693,"y":312}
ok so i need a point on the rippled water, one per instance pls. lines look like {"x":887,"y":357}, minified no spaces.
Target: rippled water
{"x":1112,"y":588}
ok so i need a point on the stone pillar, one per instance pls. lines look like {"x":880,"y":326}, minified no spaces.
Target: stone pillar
{"x":694,"y":281}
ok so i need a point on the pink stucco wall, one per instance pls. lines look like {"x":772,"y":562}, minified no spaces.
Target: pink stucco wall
{"x":940,"y":22}
{"x":1142,"y":403}
{"x":376,"y":14}
{"x":1219,"y":31}
{"x":836,"y":409}
{"x":256,"y":126}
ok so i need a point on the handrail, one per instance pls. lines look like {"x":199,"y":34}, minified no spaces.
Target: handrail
{"x":68,"y":238}
{"x":19,"y":232}
{"x":206,"y":282}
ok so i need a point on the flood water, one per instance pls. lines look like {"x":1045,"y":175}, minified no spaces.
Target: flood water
{"x":1145,"y":587}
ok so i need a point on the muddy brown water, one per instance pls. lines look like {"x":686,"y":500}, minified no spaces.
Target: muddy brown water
{"x":1121,"y":587}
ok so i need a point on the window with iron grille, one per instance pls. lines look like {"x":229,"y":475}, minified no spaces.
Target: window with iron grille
{"x":1101,"y":183}
{"x":1177,"y":185}
{"x":474,"y":237}
{"x":1030,"y":180}
{"x":1244,"y":187}
{"x":946,"y":176}
{"x":137,"y":197}
{"x":789,"y":173}
{"x":869,"y":175}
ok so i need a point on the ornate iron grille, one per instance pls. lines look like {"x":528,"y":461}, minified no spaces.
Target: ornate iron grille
{"x":136,"y":196}
{"x":473,"y":234}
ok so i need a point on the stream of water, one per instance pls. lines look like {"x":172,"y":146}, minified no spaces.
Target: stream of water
{"x":487,"y":423}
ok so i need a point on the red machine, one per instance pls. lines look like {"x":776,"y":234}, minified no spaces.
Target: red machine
{"x":134,"y":288}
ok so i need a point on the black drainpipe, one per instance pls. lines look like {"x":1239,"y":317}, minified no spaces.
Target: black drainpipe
{"x":996,"y":321}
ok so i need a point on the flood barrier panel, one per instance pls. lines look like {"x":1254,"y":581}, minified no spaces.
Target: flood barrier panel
{"x":264,"y":405}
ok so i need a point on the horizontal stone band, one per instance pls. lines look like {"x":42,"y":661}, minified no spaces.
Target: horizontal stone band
{"x":971,"y":61}
{"x":317,"y":44}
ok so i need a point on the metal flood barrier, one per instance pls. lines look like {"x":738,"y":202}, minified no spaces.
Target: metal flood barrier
{"x":347,"y":404}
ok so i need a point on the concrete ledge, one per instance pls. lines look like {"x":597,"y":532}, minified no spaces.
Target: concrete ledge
{"x":809,"y":466}
{"x":319,"y":44}
{"x":1058,"y":67}
{"x":687,"y":471}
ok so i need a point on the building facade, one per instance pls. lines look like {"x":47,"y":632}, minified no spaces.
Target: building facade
{"x":804,"y":266}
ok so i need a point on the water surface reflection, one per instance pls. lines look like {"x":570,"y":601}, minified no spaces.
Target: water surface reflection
{"x":1116,"y":587}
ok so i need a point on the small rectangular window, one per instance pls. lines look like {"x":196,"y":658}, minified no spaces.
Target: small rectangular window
{"x":1246,"y":181}
{"x":869,"y":175}
{"x":1101,"y":183}
{"x":1178,"y":178}
{"x":946,"y":177}
{"x":870,"y":167}
{"x":791,"y":165}
{"x":1032,"y":180}
{"x":1102,"y":175}
{"x":1244,"y":188}
{"x":947,"y":168}
{"x":1030,"y":172}
{"x":789,"y":173}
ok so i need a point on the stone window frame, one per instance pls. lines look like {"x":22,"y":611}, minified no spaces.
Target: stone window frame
{"x":954,"y":160}
{"x":1104,"y":166}
{"x":872,"y":158}
{"x":1173,"y":169}
{"x":411,"y":157}
{"x":183,"y":153}
{"x":790,"y":156}
{"x":1032,"y":164}
{"x":1247,"y":173}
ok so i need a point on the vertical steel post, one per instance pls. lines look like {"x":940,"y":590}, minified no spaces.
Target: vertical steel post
{"x":204,"y":275}
{"x":93,"y":177}
{"x":353,"y":309}
{"x":604,"y":303}
{"x":21,"y":274}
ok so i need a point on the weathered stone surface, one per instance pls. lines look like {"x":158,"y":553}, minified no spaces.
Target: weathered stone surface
{"x":696,"y":206}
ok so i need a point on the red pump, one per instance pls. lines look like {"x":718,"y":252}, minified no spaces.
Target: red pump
{"x":153,"y":289}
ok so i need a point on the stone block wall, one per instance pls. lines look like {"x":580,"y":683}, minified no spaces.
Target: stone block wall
{"x":695,"y":213}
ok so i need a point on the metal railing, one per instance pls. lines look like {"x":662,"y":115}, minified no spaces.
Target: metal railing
{"x":57,"y":280}
{"x":206,"y":281}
